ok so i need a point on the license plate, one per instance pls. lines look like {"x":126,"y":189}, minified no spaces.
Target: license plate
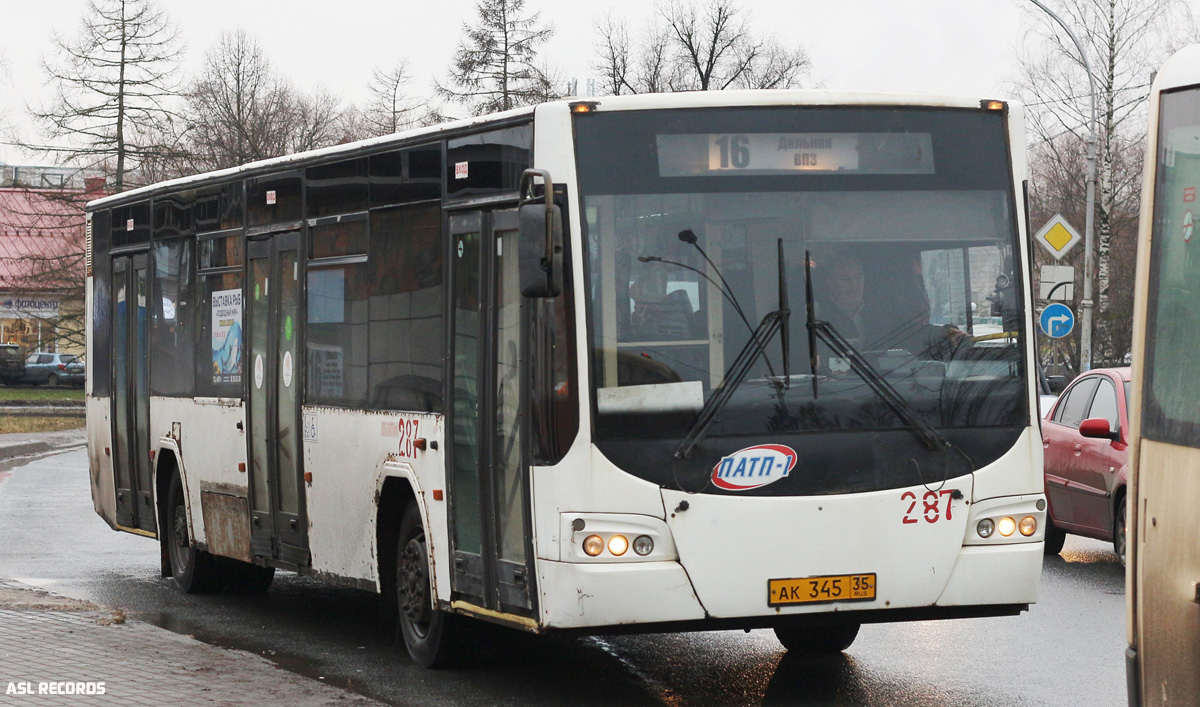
{"x":823,"y":589}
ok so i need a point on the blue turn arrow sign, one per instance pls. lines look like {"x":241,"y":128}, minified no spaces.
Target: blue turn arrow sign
{"x":1057,"y":320}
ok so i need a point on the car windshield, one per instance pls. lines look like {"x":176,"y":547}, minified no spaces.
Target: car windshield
{"x":906,"y":216}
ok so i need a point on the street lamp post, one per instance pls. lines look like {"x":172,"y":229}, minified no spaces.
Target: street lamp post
{"x":1085,"y":315}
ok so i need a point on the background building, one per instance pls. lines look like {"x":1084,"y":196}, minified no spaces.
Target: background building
{"x":42,"y":260}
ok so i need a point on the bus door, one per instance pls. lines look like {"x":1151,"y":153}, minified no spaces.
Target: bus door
{"x":278,"y":521}
{"x":130,"y":402}
{"x":488,"y":475}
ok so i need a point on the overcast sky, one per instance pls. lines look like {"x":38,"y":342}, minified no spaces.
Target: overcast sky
{"x":926,"y":46}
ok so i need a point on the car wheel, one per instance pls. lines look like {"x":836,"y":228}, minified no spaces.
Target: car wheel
{"x":52,"y":380}
{"x":434,"y":638}
{"x":817,"y":640}
{"x":194,"y":571}
{"x":1120,"y":540}
{"x":1055,"y":537}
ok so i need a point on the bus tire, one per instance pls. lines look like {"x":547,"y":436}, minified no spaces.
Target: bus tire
{"x":434,"y":638}
{"x":247,"y":578}
{"x":817,"y":640}
{"x":194,"y":571}
{"x":1055,"y":537}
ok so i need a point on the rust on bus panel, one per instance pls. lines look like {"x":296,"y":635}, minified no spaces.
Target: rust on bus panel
{"x":226,"y":524}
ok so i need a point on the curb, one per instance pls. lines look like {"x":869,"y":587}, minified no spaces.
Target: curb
{"x":23,"y":449}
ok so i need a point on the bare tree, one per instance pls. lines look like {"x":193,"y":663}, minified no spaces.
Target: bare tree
{"x":113,"y":85}
{"x":239,"y":109}
{"x":1125,"y":40}
{"x":495,"y":66}
{"x":390,"y":107}
{"x":626,"y":67}
{"x":695,"y":49}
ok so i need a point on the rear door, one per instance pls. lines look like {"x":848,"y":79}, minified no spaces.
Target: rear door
{"x":279,"y":525}
{"x":130,"y":400}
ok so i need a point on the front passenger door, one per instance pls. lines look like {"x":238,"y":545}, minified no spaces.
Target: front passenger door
{"x":1092,"y":478}
{"x":1061,"y":440}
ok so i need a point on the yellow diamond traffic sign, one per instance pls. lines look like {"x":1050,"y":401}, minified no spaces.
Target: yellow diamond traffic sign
{"x":1057,"y":237}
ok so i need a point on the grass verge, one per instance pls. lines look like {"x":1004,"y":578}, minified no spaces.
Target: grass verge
{"x":30,"y":423}
{"x":40,"y":393}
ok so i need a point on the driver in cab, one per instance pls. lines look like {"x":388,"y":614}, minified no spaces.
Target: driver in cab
{"x":886,"y":309}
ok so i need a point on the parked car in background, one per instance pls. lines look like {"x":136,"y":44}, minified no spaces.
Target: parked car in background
{"x":12,"y":365}
{"x":53,"y":369}
{"x":1046,"y":404}
{"x":1085,"y":437}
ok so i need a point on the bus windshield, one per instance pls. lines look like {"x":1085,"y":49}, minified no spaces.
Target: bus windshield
{"x":907,"y":218}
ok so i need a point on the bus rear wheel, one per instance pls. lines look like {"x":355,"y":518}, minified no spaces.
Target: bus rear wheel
{"x":434,"y":638}
{"x":817,"y":640}
{"x":194,"y":570}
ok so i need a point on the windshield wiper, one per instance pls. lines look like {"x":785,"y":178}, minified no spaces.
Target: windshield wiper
{"x":863,"y":369}
{"x":755,"y":347}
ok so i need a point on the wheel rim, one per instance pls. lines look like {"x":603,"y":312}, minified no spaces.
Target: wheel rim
{"x":413,"y":587}
{"x":179,"y":536}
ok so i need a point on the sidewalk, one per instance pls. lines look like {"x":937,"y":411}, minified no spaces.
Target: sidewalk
{"x":89,"y":655}
{"x":60,"y":651}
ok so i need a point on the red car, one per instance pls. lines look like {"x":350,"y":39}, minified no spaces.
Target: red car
{"x":1086,"y":436}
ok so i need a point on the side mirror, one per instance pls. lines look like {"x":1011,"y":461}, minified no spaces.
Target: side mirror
{"x":541,"y":248}
{"x":1097,"y":428}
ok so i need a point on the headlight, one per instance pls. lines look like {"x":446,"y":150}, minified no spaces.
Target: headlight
{"x":618,"y":544}
{"x":985,"y":528}
{"x":1007,"y":526}
{"x":643,"y":545}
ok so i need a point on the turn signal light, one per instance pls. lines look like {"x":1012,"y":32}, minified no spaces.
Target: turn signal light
{"x":1027,"y":526}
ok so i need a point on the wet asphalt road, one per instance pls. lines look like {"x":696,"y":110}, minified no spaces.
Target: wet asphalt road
{"x":1067,"y":650}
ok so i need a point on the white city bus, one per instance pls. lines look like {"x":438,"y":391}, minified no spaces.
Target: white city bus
{"x":645,"y":363}
{"x":1163,"y":567}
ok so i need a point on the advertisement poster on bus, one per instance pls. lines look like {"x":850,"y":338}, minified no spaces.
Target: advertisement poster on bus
{"x":227,"y":336}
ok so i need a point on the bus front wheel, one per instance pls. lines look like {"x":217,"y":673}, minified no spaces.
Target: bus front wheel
{"x":434,"y":638}
{"x":817,"y":640}
{"x":194,"y":570}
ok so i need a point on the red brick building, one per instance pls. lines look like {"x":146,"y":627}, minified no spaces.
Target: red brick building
{"x":42,"y":268}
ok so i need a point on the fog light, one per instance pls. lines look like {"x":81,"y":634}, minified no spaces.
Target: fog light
{"x":1028,"y":526}
{"x":618,"y":544}
{"x":593,"y":545}
{"x":643,"y":545}
{"x":985,"y":528}
{"x":1007,"y":526}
